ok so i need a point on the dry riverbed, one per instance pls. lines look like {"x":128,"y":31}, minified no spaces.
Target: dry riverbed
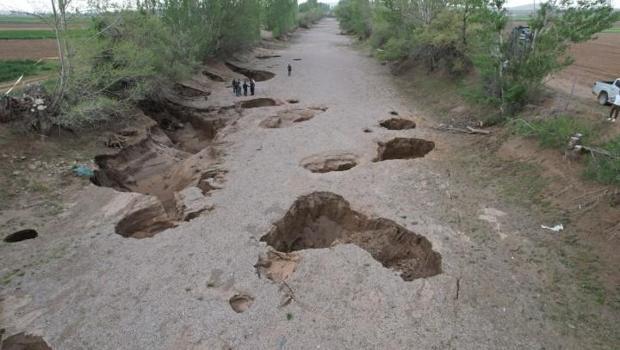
{"x":325,"y":212}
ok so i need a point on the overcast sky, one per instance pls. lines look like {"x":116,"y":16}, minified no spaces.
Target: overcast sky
{"x":43,"y":5}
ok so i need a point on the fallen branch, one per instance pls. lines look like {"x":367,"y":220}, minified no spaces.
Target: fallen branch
{"x":467,"y":130}
{"x":14,"y":84}
{"x":596,"y":150}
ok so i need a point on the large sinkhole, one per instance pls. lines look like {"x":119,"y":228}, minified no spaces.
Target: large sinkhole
{"x":403,"y":148}
{"x":22,"y":341}
{"x":171,"y":156}
{"x":323,"y":219}
{"x":259,"y":102}
{"x":257,"y":75}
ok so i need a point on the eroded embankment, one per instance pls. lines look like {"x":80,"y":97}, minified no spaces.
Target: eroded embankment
{"x":173,"y":160}
{"x":323,"y":219}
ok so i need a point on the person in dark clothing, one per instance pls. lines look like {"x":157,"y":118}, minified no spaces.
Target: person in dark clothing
{"x":245,"y":87}
{"x":238,"y":88}
{"x":252,"y":86}
{"x":289,"y":70}
{"x":234,"y":86}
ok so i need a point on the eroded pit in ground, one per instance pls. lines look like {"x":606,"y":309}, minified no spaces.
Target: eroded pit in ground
{"x":397,"y":124}
{"x":259,"y":102}
{"x":21,"y":235}
{"x":403,"y":148}
{"x":289,"y":117}
{"x":264,"y":57}
{"x":257,"y":75}
{"x":170,"y":161}
{"x":324,"y":219}
{"x":22,"y":341}
{"x":187,"y":91}
{"x":213,"y":76}
{"x":241,"y":302}
{"x":326,"y":162}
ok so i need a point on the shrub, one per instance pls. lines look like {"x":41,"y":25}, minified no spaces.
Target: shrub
{"x":555,"y":132}
{"x":605,"y":169}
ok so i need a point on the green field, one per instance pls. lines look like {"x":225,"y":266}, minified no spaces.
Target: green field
{"x":20,"y":19}
{"x":12,"y":69}
{"x":29,"y":34}
{"x":26,"y":34}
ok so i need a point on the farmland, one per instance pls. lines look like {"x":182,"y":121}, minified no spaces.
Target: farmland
{"x":24,"y":41}
{"x":594,"y":60}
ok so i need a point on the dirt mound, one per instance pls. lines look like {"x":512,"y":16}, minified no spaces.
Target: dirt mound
{"x":288,"y":117}
{"x":277,"y":266}
{"x":241,"y":302}
{"x":323,"y":163}
{"x":403,"y":148}
{"x":21,"y":236}
{"x":22,"y":341}
{"x":397,"y":124}
{"x":324,"y":219}
{"x":259,"y":102}
{"x":257,"y":75}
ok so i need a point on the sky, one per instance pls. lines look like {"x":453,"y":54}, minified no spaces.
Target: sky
{"x":43,"y":5}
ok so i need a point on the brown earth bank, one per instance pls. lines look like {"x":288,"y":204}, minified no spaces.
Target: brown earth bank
{"x":217,"y":222}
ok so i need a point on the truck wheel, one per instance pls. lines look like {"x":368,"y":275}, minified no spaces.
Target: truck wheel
{"x":602,"y":98}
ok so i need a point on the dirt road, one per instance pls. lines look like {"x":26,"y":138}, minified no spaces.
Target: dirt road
{"x":417,"y":258}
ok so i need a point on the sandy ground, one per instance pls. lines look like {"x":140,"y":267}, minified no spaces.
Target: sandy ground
{"x":86,"y":287}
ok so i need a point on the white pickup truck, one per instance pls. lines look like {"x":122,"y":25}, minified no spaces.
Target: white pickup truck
{"x":606,"y":91}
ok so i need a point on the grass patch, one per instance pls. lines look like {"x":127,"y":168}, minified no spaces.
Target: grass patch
{"x":27,"y":34}
{"x":20,"y":19}
{"x":12,"y":69}
{"x":554,"y":132}
{"x":31,"y":34}
{"x":606,"y":169}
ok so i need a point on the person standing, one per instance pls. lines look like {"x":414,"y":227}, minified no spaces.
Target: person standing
{"x":245,"y":87}
{"x":252,"y":86}
{"x":615,"y":108}
{"x":234,"y":86}
{"x":289,"y":69}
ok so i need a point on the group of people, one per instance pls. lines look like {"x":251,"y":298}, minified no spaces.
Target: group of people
{"x":237,"y":86}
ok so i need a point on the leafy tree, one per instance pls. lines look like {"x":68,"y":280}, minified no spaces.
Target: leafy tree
{"x":280,"y":16}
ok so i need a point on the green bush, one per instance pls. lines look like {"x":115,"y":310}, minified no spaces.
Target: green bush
{"x":555,"y":132}
{"x":125,"y":59}
{"x":605,"y":169}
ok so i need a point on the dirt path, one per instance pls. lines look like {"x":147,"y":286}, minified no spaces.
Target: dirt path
{"x":381,"y":244}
